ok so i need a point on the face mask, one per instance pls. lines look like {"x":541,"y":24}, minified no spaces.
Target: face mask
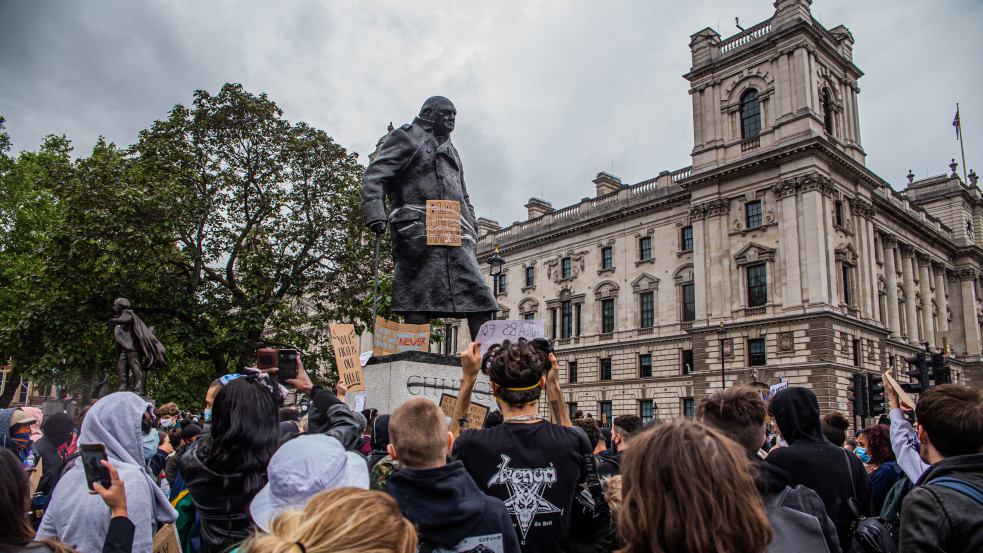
{"x":862,"y":453}
{"x":166,"y":423}
{"x":208,"y":414}
{"x":150,"y":445}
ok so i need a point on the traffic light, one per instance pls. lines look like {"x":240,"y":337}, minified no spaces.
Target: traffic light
{"x":875,"y":395}
{"x":940,"y":369}
{"x":921,"y":373}
{"x":859,"y":398}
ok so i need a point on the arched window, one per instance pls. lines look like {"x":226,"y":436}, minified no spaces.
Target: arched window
{"x":827,"y":113}
{"x":750,"y":114}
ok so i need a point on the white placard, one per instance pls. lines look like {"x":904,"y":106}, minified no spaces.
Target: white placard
{"x":775,"y":388}
{"x":364,"y":357}
{"x":843,"y":407}
{"x":359,"y":403}
{"x":496,"y":332}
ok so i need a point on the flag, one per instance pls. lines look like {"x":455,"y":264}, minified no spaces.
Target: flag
{"x":955,"y":123}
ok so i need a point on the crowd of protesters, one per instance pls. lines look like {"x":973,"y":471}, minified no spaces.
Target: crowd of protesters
{"x":251,"y":475}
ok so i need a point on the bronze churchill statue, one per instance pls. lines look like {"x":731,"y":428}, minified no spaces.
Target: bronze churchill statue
{"x":418,"y":163}
{"x":134,"y":339}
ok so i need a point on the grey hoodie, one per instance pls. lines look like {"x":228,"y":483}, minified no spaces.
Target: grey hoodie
{"x":81,"y":520}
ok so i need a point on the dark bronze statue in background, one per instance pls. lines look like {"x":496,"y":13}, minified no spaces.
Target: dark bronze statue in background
{"x":134,"y":339}
{"x":418,"y":163}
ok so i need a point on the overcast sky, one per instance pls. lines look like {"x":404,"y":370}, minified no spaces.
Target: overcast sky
{"x":548,"y":92}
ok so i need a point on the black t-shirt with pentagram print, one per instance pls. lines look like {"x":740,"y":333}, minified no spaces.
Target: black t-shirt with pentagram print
{"x":535,"y":469}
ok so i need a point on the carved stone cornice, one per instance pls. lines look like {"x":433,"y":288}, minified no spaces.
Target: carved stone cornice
{"x":924,"y":260}
{"x":816,"y":181}
{"x":697,"y":213}
{"x":889,"y":240}
{"x":907,"y":250}
{"x":862,"y":208}
{"x":719,"y":206}
{"x":786,"y":187}
{"x":966,"y":274}
{"x":938,"y":268}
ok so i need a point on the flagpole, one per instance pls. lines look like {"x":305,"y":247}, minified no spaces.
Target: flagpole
{"x":962,"y":150}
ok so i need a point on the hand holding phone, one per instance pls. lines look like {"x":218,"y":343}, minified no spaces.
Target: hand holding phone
{"x":92,"y":457}
{"x":115,"y":495}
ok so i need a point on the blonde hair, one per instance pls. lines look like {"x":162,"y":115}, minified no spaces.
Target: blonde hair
{"x":343,"y":520}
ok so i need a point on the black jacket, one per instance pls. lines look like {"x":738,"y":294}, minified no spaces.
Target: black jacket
{"x":811,"y":461}
{"x":450,"y":511}
{"x":771,"y":481}
{"x":611,"y":466}
{"x":934,"y":518}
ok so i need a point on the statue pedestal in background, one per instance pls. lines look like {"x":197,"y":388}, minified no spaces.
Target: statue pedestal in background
{"x":392,"y":379}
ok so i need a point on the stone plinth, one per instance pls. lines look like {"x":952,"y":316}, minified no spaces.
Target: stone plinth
{"x":392,"y":379}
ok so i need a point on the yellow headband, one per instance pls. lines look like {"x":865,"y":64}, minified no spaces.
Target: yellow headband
{"x":536,"y":385}
{"x":498,"y":399}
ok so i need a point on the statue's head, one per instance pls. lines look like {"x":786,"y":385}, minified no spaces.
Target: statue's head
{"x":442,"y":112}
{"x":121,"y":304}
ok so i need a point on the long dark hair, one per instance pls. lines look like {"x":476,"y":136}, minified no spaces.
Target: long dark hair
{"x":687,"y":487}
{"x":245,"y":432}
{"x":13,"y":486}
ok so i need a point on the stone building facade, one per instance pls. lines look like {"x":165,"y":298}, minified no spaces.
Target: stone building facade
{"x":777,"y":233}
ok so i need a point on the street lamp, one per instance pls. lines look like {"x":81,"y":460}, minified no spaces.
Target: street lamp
{"x":722,"y":334}
{"x":496,"y":262}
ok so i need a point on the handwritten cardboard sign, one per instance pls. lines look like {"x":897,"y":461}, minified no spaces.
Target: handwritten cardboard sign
{"x":775,"y":388}
{"x":165,"y":540}
{"x":496,"y":332}
{"x":902,"y":395}
{"x":476,"y":413}
{"x":443,"y":223}
{"x":346,"y":355}
{"x":390,"y":337}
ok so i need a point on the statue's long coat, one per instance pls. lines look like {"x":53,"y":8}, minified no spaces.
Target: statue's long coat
{"x":409,"y":169}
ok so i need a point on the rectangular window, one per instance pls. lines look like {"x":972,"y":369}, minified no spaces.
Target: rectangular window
{"x":838,"y":212}
{"x":607,"y":257}
{"x":528,"y":316}
{"x":753,"y":211}
{"x":646,"y":308}
{"x":645,"y":248}
{"x":606,"y":413}
{"x":577,"y":309}
{"x":553,"y":323}
{"x":756,"y":352}
{"x":645,"y":365}
{"x":687,"y":361}
{"x":607,"y":315}
{"x":530,"y":276}
{"x":646,"y":410}
{"x":689,"y":302}
{"x":572,"y":409}
{"x":689,"y":409}
{"x":687,"y":239}
{"x":847,"y":295}
{"x":502,"y":283}
{"x":565,"y":267}
{"x":757,"y":286}
{"x":856,"y":352}
{"x":573,"y":372}
{"x":566,"y":319}
{"x":606,"y":369}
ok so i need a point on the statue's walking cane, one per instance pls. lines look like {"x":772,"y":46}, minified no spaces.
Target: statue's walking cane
{"x":375,"y":292}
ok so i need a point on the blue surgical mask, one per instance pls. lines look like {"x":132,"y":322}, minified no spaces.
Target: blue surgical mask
{"x":208,"y":414}
{"x":150,"y":442}
{"x":862,"y":453}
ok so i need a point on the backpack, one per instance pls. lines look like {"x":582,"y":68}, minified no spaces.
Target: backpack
{"x":793,"y":530}
{"x":891,"y":511}
{"x":46,"y":487}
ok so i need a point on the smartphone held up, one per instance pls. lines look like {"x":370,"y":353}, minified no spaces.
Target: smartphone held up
{"x":95,"y":471}
{"x":283,"y":360}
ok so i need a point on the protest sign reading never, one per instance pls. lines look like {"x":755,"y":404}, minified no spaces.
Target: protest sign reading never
{"x":346,"y":355}
{"x":496,"y":332}
{"x":390,"y":337}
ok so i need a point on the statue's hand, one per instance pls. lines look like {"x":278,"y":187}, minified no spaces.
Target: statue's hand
{"x":377,"y":227}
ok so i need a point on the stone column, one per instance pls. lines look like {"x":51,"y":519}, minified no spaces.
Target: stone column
{"x":719,"y":300}
{"x":786,"y":192}
{"x":891,"y":283}
{"x":971,"y":327}
{"x":815,"y":189}
{"x":908,"y":283}
{"x":701,"y":262}
{"x":924,"y":285}
{"x":866,"y":288}
{"x":940,"y":300}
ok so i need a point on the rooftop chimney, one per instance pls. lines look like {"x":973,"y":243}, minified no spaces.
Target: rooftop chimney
{"x":487,"y":225}
{"x":606,"y":183}
{"x":537,"y":208}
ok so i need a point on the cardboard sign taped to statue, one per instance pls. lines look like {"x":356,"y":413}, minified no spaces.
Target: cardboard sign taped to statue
{"x":346,"y":355}
{"x":390,"y":337}
{"x":476,"y":412}
{"x":443,"y":223}
{"x":496,"y":332}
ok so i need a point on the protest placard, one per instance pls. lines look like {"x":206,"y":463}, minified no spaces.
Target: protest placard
{"x":364,"y":358}
{"x":359,"y":403}
{"x":775,"y":388}
{"x":165,"y":540}
{"x":443,"y":223}
{"x":476,"y":413}
{"x":496,"y":332}
{"x":390,"y":337}
{"x":345,"y":344}
{"x":902,"y":395}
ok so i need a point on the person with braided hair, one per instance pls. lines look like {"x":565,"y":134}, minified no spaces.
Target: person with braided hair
{"x":535,"y":467}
